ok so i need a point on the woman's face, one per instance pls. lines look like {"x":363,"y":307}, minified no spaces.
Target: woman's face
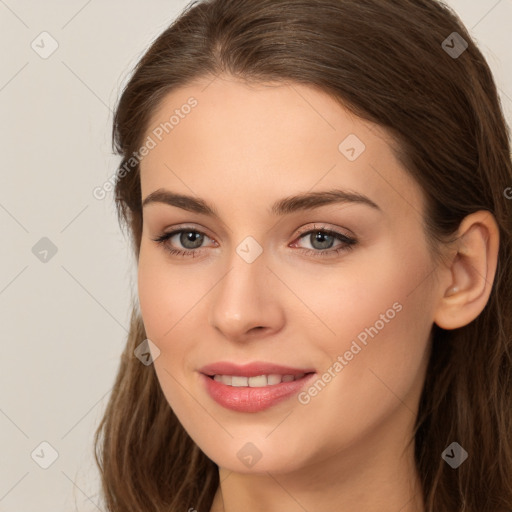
{"x":276,"y":280}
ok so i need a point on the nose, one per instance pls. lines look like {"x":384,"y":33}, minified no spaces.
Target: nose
{"x":245,"y":302}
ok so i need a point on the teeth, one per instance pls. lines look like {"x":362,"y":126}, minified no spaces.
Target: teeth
{"x":225,"y":379}
{"x":239,"y":381}
{"x":273,"y":379}
{"x":255,"y":382}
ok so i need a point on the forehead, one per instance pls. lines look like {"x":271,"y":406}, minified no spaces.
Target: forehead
{"x":266,"y":141}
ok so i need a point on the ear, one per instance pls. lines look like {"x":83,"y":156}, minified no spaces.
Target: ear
{"x":467,"y":280}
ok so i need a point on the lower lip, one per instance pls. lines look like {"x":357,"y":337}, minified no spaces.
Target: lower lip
{"x":247,"y":399}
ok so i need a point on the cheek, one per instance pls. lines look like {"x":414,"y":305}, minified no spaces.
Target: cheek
{"x":151,"y":297}
{"x":162,"y":292}
{"x":379,"y":288}
{"x":380,"y":313}
{"x":164,"y":301}
{"x":168,"y":291}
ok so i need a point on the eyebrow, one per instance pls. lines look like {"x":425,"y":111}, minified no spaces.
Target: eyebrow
{"x":285,"y":206}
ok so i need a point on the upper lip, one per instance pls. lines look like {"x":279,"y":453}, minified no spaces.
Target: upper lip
{"x":251,"y":369}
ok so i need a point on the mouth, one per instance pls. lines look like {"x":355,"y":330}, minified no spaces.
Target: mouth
{"x":253,"y":387}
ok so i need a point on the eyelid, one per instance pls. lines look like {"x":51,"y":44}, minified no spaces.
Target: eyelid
{"x":188,"y":227}
{"x":325,"y":227}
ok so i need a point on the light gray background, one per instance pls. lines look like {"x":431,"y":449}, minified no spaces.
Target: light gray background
{"x":64,"y":321}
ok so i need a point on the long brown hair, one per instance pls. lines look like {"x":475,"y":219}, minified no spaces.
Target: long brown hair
{"x":389,"y":63}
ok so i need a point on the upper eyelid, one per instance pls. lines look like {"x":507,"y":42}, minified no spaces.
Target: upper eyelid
{"x":324,"y":227}
{"x":316,"y":226}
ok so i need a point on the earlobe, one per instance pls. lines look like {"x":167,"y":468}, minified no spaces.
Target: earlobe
{"x":467,"y":287}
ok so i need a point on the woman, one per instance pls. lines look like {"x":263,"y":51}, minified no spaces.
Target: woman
{"x":316,"y":193}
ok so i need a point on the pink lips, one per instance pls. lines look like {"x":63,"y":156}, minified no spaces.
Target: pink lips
{"x":252,"y":399}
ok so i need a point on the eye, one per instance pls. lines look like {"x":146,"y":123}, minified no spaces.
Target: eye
{"x":189,"y":238}
{"x":320,"y":238}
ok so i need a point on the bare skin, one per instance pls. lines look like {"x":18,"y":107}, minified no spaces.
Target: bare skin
{"x":242,"y":148}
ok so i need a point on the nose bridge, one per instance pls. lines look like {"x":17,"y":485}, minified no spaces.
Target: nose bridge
{"x":243,"y":299}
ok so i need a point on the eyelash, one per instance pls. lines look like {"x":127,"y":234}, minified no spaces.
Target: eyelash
{"x":348,"y":243}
